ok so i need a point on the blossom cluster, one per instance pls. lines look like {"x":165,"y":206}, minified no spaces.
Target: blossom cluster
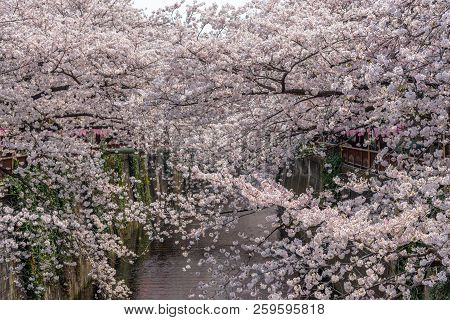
{"x":221,"y":99}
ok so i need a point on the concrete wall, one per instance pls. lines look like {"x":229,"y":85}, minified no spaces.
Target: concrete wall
{"x":75,"y":281}
{"x":76,"y":284}
{"x":305,"y":172}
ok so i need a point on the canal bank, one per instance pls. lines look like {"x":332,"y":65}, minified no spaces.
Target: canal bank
{"x":160,"y":271}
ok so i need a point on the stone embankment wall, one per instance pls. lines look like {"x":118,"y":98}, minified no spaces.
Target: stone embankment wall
{"x":75,"y":280}
{"x":304,"y":173}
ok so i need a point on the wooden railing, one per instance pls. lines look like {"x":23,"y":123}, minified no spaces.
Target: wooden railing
{"x":365,"y":158}
{"x":358,"y":157}
{"x":9,"y":161}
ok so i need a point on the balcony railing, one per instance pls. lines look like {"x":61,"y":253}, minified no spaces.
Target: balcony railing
{"x":358,"y":157}
{"x":9,"y":161}
{"x":364,"y":158}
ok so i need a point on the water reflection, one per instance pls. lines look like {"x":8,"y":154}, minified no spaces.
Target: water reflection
{"x":162,"y":274}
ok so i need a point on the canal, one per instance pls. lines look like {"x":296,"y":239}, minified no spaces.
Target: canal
{"x":162,"y":274}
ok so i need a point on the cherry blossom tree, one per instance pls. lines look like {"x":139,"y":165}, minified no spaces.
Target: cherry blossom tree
{"x":248,"y":87}
{"x":227,"y":97}
{"x":69,"y":70}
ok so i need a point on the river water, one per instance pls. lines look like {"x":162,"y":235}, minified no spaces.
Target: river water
{"x":161,"y":275}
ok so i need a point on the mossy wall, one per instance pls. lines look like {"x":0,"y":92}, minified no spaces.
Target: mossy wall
{"x":75,"y":281}
{"x":304,"y":173}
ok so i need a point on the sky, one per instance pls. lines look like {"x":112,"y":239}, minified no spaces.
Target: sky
{"x":151,"y":5}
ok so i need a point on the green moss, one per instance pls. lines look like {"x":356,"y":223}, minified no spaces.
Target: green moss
{"x":145,"y":181}
{"x":139,"y":171}
{"x":115,"y":164}
{"x":332,"y":168}
{"x":440,"y":291}
{"x":39,"y":258}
